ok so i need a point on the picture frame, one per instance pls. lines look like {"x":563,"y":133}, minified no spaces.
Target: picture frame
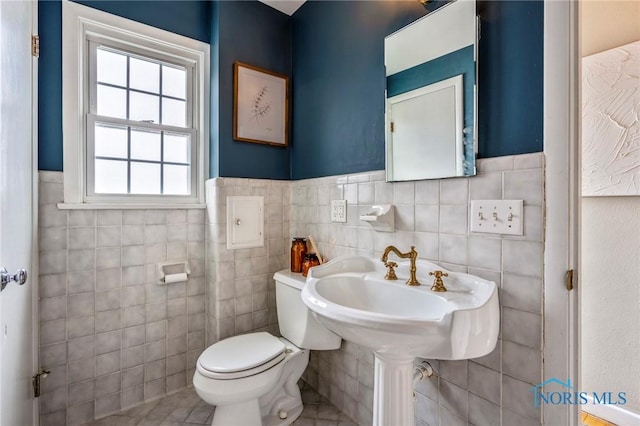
{"x":260,"y":105}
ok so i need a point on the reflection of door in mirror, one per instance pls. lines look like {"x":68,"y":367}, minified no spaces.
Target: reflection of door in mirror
{"x":432,"y":115}
{"x":431,"y":95}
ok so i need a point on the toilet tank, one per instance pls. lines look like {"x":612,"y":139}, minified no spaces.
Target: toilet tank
{"x":297,"y":323}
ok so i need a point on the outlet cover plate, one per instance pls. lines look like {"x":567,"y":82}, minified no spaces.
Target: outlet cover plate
{"x":497,"y":217}
{"x":339,"y":211}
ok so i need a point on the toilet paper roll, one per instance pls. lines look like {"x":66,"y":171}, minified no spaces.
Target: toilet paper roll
{"x":175,"y":278}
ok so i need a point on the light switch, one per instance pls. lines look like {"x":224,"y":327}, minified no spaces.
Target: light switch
{"x":245,"y":222}
{"x":497,"y":217}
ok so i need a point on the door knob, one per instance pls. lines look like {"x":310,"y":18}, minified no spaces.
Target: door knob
{"x":20,"y":277}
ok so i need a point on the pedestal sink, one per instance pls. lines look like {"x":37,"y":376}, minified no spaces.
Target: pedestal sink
{"x":350,"y":296}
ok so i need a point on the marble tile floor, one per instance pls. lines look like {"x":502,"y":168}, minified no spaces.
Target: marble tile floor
{"x":185,"y":408}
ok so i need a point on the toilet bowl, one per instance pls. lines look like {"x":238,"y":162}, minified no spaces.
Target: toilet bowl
{"x":252,"y":379}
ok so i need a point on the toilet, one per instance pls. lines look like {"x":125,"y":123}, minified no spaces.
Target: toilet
{"x":252,"y":379}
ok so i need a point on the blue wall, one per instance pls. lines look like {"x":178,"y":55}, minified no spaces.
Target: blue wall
{"x":50,"y":86}
{"x":250,"y":32}
{"x":510,"y":77}
{"x":189,"y":18}
{"x":333,"y":50}
{"x":246,"y":31}
{"x":339,"y":82}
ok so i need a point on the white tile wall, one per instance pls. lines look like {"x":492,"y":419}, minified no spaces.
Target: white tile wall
{"x":113,"y":338}
{"x":433,"y":216}
{"x":241,"y":291}
{"x":110,"y":335}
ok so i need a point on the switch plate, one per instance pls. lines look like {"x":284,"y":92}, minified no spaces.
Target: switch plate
{"x":338,"y":211}
{"x":497,"y":217}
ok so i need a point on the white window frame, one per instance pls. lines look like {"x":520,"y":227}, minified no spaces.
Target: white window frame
{"x":82,"y":25}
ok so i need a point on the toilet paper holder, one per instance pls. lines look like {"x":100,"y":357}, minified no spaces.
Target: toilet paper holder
{"x":172,"y":272}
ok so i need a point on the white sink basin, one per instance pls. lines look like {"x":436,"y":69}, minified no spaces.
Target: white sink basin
{"x":350,"y":296}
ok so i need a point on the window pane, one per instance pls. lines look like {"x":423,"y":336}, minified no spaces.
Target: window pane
{"x":177,"y":180}
{"x":145,"y":145}
{"x":144,"y":75}
{"x":111,"y":67}
{"x":112,"y":102}
{"x":110,"y":177}
{"x":176,"y":148}
{"x":174,"y":113}
{"x":145,"y":178}
{"x":174,"y":82}
{"x":110,"y":141}
{"x":143,"y":107}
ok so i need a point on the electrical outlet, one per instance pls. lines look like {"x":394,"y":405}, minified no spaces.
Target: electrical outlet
{"x":338,"y":210}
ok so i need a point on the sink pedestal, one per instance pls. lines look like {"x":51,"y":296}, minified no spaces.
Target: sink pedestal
{"x":393,"y":402}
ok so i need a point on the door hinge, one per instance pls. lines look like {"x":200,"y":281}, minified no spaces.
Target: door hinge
{"x":35,"y":381}
{"x":568,"y":279}
{"x":35,"y":45}
{"x":392,"y":126}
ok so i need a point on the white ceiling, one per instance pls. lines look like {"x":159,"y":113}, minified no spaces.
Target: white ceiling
{"x":284,"y":6}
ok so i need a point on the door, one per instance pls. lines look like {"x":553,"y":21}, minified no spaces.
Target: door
{"x":16,"y":211}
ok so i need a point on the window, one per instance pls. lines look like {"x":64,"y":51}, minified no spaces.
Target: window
{"x":138,"y":134}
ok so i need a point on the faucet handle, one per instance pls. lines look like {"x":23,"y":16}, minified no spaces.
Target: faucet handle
{"x":391,"y":273}
{"x":438,"y":284}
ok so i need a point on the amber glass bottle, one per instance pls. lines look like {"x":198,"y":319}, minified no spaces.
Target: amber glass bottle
{"x":310,"y":260}
{"x":298,"y":250}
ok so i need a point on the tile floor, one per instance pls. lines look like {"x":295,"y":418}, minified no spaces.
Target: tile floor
{"x":185,"y":408}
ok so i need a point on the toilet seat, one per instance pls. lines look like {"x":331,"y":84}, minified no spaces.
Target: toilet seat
{"x":241,"y":356}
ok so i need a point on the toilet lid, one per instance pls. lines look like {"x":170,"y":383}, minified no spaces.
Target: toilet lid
{"x":240,"y":353}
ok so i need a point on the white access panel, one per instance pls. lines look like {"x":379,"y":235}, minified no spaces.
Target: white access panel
{"x":245,"y":222}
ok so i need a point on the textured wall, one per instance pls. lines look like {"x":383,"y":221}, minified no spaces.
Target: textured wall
{"x":433,"y":216}
{"x":111,"y":336}
{"x":610,"y":324}
{"x":610,"y":243}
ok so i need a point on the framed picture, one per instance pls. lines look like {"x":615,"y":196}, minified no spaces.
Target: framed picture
{"x":261,"y":105}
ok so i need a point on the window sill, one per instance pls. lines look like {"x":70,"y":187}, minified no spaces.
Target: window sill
{"x":132,"y":206}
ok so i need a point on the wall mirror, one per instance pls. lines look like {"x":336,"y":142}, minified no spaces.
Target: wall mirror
{"x":431,"y":96}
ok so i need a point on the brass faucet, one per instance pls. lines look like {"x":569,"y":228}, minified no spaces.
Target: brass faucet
{"x":412,"y":255}
{"x":438,"y":284}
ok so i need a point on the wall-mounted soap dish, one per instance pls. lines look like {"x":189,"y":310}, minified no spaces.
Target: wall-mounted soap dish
{"x":380,"y":217}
